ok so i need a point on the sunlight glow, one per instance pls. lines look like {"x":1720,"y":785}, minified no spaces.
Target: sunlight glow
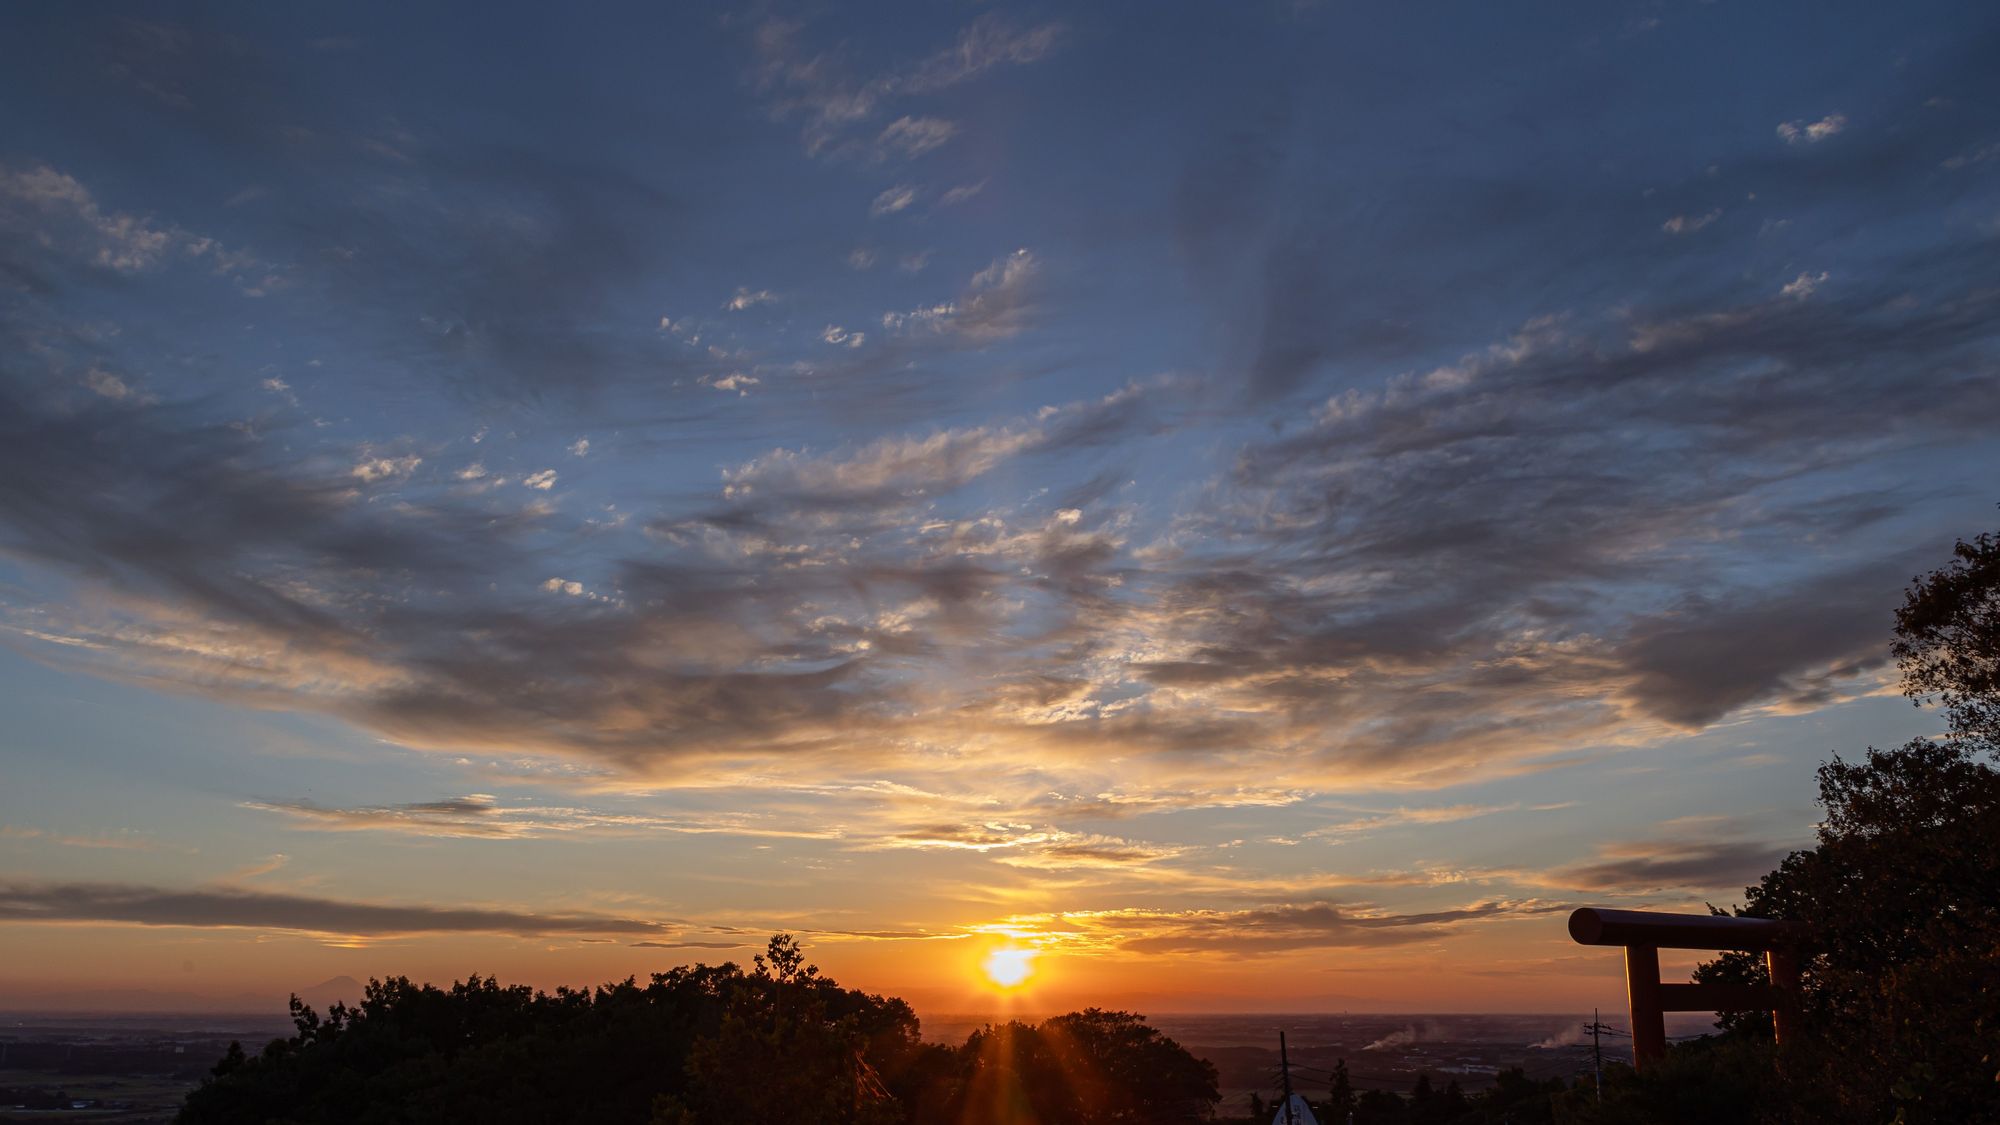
{"x":1009,"y":967}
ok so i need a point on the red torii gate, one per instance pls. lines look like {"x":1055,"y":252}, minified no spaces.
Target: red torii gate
{"x":1644,"y":933}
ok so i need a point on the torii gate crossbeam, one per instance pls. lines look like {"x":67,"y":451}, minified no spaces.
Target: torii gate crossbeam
{"x":1644,"y":933}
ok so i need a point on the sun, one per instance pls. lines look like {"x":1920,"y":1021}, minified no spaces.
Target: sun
{"x":1008,"y":967}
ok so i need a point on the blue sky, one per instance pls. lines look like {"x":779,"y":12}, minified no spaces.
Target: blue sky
{"x":1194,"y":489}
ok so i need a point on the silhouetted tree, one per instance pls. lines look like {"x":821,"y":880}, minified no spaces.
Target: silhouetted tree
{"x":1380,"y":1107}
{"x":1340,"y":1096}
{"x":788,"y":1050}
{"x":1087,"y":1068}
{"x":1947,"y":638}
{"x":1421,"y":1096}
{"x":781,"y":1043}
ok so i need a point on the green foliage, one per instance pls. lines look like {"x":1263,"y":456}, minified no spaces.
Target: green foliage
{"x":781,"y":1043}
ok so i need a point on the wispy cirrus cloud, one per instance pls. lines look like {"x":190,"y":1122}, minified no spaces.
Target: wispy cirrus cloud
{"x":124,"y":841}
{"x":1375,"y":821}
{"x":914,"y":136}
{"x":52,"y":206}
{"x":481,"y":816}
{"x":1690,"y":855}
{"x":995,"y":304}
{"x":1027,"y":846}
{"x":236,"y":908}
{"x":833,"y":97}
{"x":1256,"y":931}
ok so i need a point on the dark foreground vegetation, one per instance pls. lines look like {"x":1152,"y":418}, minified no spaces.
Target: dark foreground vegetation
{"x":1901,"y":1008}
{"x":780,"y":1043}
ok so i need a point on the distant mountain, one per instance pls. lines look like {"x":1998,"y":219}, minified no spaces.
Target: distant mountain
{"x":341,"y":989}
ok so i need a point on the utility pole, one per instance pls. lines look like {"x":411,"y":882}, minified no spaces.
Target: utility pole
{"x":1597,"y":1052}
{"x":1598,"y":1030}
{"x":1285,"y":1067}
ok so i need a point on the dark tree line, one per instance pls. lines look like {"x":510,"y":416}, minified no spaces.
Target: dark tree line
{"x":777,"y":1044}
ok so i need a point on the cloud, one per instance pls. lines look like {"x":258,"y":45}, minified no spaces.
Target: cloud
{"x":995,"y":304}
{"x":1449,"y":555}
{"x":1256,"y":931}
{"x":1977,"y":154}
{"x":736,"y":382}
{"x":107,"y":385}
{"x":1802,"y":132}
{"x":823,"y":91}
{"x":542,"y":480}
{"x":1709,"y":856}
{"x":914,"y":136}
{"x":481,"y":816}
{"x":881,"y":472}
{"x":39,"y":202}
{"x":893,"y":199}
{"x":960,"y":194}
{"x":262,"y":867}
{"x":372,"y":469}
{"x":1803,"y":286}
{"x":1688,"y":224}
{"x":1395,"y":818}
{"x":747,"y":298}
{"x":123,"y":841}
{"x":1026,"y":846}
{"x":897,"y":470}
{"x":1705,"y":657}
{"x":1475,"y":568}
{"x":988,"y":42}
{"x":925,"y":317}
{"x":1451,"y":611}
{"x":480,"y":269}
{"x":236,"y":908}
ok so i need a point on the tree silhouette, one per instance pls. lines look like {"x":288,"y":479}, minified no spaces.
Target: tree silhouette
{"x":1340,"y":1096}
{"x":781,"y":1043}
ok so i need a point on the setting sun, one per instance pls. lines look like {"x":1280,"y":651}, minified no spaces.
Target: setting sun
{"x":1009,"y":967}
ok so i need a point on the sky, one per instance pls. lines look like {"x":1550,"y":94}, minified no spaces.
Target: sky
{"x":1260,"y":506}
